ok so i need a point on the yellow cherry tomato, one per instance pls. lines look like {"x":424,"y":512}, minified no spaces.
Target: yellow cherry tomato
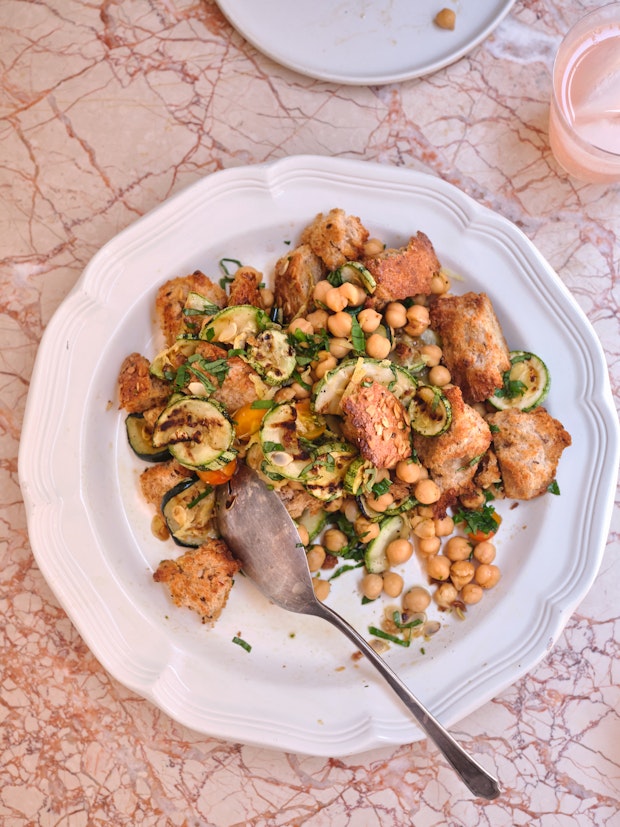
{"x":247,"y":420}
{"x":309,"y":425}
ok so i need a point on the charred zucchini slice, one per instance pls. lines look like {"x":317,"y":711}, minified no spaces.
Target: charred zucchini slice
{"x":526,"y":383}
{"x":141,"y":441}
{"x":188,"y":510}
{"x":271,"y":355}
{"x":324,"y":477}
{"x":196,"y":432}
{"x":356,"y":273}
{"x":235,"y":325}
{"x":430,"y":411}
{"x":392,"y":528}
{"x":278,"y":439}
{"x":331,"y":389}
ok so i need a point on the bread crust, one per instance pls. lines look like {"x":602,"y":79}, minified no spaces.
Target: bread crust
{"x":172,"y":295}
{"x":336,"y":238}
{"x":295,"y":277}
{"x":403,"y":272}
{"x":138,"y":389}
{"x":200,"y":580}
{"x":528,"y":448}
{"x":474,"y":349}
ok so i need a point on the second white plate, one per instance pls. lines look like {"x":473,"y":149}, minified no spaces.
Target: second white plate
{"x":362,"y":43}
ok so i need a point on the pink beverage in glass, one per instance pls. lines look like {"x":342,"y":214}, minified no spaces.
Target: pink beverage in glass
{"x":584,"y":124}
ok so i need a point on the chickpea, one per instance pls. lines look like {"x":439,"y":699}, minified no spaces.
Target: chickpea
{"x":457,"y":548}
{"x":380,"y":503}
{"x":334,"y":540}
{"x":372,"y":586}
{"x":267,"y":297}
{"x":353,"y":293}
{"x":340,"y":347}
{"x":304,"y":537}
{"x":427,"y":492}
{"x":373,"y":247}
{"x":318,"y":318}
{"x":417,"y":599}
{"x":321,"y":588}
{"x":462,"y":573}
{"x":392,"y":584}
{"x":299,"y":391}
{"x":425,"y":511}
{"x":444,"y":526}
{"x":333,"y":505}
{"x":431,"y":354}
{"x":418,"y":319}
{"x":316,"y":557}
{"x":474,"y":500}
{"x":369,"y":320}
{"x":429,"y":545}
{"x":440,"y":283}
{"x":351,"y":510}
{"x":325,"y":366}
{"x":365,"y":529}
{"x":439,"y":376}
{"x":446,"y":594}
{"x":340,"y":324}
{"x":284,"y":394}
{"x":408,"y":471}
{"x":395,"y":315}
{"x":484,"y":552}
{"x":377,"y":346}
{"x":334,"y":299}
{"x":487,"y":575}
{"x":424,"y":529}
{"x":398,"y":551}
{"x":438,"y":567}
{"x":320,"y":291}
{"x":471,"y":593}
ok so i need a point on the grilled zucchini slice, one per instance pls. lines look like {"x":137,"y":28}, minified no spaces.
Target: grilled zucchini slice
{"x":141,"y":440}
{"x":526,"y":383}
{"x":392,"y":528}
{"x":356,"y":273}
{"x":197,"y":433}
{"x":271,"y":355}
{"x":332,"y":387}
{"x":188,"y":511}
{"x":235,"y":325}
{"x":430,"y":411}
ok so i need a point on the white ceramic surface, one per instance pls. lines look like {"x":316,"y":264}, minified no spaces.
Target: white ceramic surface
{"x":90,"y":532}
{"x":367,"y":43}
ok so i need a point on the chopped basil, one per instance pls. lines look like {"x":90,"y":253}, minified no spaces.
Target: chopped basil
{"x":386,"y":636}
{"x":244,"y":644}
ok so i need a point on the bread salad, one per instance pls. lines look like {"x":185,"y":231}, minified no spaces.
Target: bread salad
{"x":389,"y":415}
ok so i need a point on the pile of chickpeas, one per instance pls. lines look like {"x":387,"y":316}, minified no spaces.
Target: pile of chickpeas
{"x":460,"y":570}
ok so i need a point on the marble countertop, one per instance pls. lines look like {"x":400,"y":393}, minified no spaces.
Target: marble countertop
{"x":107,"y":109}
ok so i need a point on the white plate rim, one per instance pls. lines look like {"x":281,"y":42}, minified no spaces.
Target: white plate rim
{"x":58,"y":551}
{"x":269,"y":39}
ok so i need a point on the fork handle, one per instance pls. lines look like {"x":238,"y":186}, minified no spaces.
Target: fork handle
{"x":476,"y":778}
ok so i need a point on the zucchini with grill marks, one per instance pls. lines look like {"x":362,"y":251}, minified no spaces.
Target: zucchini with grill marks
{"x":235,"y":325}
{"x":188,"y":511}
{"x":430,"y":411}
{"x":141,"y":440}
{"x":526,"y":383}
{"x":271,"y":355}
{"x":197,"y":433}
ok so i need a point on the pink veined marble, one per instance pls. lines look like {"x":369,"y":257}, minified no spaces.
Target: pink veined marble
{"x":109,"y":108}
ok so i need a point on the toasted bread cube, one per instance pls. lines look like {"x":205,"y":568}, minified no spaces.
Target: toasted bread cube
{"x":376,"y":422}
{"x":403,"y":272}
{"x":528,"y":447}
{"x":171,"y":298}
{"x":245,"y":288}
{"x":241,"y":386}
{"x":200,"y":580}
{"x":474,"y":349}
{"x":138,"y":390}
{"x":161,"y":477}
{"x":336,"y":238}
{"x":296,"y":275}
{"x":452,"y":457}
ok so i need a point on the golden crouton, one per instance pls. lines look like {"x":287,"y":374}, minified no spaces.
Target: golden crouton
{"x":240,"y":386}
{"x":452,"y":457}
{"x":244,"y":288}
{"x":138,"y":390}
{"x":171,"y":298}
{"x":200,"y":580}
{"x":376,"y":422}
{"x":336,"y":238}
{"x":474,"y":349}
{"x":161,"y":477}
{"x":403,"y":272}
{"x":528,"y":447}
{"x":296,"y":275}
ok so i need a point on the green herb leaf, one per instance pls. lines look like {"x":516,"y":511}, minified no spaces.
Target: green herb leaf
{"x":385,"y":636}
{"x":244,"y":644}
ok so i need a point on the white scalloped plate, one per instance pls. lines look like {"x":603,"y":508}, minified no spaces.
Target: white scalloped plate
{"x":299,"y":688}
{"x":363,"y":43}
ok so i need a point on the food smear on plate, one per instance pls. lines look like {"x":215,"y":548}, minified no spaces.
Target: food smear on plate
{"x":387,"y":413}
